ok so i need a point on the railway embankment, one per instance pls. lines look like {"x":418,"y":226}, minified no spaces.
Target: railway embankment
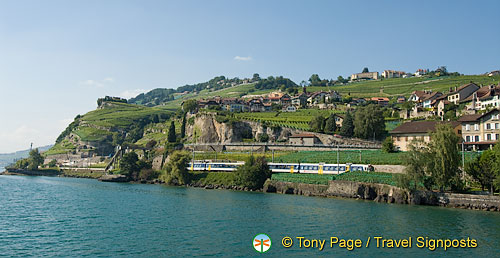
{"x":385,"y":194}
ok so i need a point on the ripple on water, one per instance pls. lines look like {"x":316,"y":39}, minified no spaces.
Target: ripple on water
{"x":44,"y":216}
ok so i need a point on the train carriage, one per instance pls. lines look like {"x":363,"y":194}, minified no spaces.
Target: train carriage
{"x":307,"y":168}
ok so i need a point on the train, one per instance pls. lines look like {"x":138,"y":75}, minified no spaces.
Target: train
{"x":306,"y":168}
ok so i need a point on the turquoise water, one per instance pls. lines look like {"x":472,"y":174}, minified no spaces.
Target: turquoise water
{"x":68,"y":217}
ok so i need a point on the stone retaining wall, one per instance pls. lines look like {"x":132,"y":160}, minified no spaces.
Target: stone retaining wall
{"x":385,"y":193}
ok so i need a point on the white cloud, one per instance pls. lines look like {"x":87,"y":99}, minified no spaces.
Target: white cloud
{"x":131,"y":93}
{"x":98,"y":83}
{"x":243,"y":58}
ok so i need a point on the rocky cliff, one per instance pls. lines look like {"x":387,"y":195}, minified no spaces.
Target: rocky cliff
{"x":204,"y":128}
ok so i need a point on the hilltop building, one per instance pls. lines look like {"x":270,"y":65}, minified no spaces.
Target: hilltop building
{"x":369,"y":76}
{"x":393,"y":74}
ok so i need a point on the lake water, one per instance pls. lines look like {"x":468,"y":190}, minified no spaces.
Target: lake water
{"x":68,"y":217}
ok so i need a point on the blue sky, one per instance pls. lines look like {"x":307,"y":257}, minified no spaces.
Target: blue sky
{"x":58,"y":57}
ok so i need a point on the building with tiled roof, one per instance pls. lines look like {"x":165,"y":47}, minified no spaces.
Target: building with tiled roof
{"x":481,"y":131}
{"x":405,"y":134}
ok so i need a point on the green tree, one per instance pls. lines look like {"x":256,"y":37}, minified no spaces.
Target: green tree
{"x":128,"y":164}
{"x":388,"y":145}
{"x":496,"y":165}
{"x":341,"y":79}
{"x":415,"y":175}
{"x":171,"y":133}
{"x":347,"y":129}
{"x":369,"y":122}
{"x":482,"y":169}
{"x":52,"y":163}
{"x":255,"y":77}
{"x":35,"y":159}
{"x":330,"y":125}
{"x":317,"y":124}
{"x":175,"y":171}
{"x":435,"y":163}
{"x":190,"y":105}
{"x":183,"y":126}
{"x":445,"y":154}
{"x":263,"y":137}
{"x":314,"y":80}
{"x":254,"y":173}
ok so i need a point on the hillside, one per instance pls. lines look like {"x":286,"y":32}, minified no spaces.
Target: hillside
{"x":110,"y":124}
{"x":8,"y":158}
{"x":379,"y":88}
{"x":115,"y":123}
{"x":405,"y":86}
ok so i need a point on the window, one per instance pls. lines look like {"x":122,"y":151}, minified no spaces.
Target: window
{"x":488,"y":126}
{"x":476,"y":138}
{"x":488,"y":137}
{"x":497,"y":126}
{"x":467,"y":127}
{"x":476,"y":127}
{"x":496,"y":137}
{"x":467,"y":138}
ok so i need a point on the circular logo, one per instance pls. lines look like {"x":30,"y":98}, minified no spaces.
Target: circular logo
{"x":261,"y":243}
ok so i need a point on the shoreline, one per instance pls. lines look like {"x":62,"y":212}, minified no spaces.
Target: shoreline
{"x":341,"y":189}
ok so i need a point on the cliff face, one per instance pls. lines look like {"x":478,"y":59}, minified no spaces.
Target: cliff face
{"x":206,"y":129}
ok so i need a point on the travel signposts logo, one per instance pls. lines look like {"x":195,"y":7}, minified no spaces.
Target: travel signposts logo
{"x":261,"y":243}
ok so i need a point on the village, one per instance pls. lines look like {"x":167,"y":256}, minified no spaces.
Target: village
{"x":471,"y":109}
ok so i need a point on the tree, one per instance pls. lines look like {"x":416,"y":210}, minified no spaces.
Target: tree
{"x":365,"y":70}
{"x":35,"y":159}
{"x":444,"y":150}
{"x":255,"y":77}
{"x":369,"y":122}
{"x":435,"y":163}
{"x":347,"y":129}
{"x":317,"y":124}
{"x":128,"y":164}
{"x":388,"y":145}
{"x":263,"y":137}
{"x":52,"y":163}
{"x":253,"y":173}
{"x":315,"y":80}
{"x":496,"y":165}
{"x":171,"y":133}
{"x":415,"y":161}
{"x":175,"y":171}
{"x":151,"y":144}
{"x":330,"y":125}
{"x":341,"y":79}
{"x":183,"y":126}
{"x":190,"y":105}
{"x":482,"y":169}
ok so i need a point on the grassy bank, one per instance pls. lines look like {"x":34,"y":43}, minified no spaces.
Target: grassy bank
{"x":367,"y":177}
{"x":82,"y":173}
{"x":214,"y":178}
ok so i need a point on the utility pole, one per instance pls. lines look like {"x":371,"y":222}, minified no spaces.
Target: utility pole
{"x":192,"y":160}
{"x":338,"y":165}
{"x":463,"y":161}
